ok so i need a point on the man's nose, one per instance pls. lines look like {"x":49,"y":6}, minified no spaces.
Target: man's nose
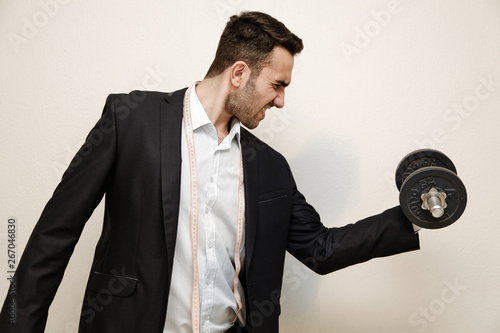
{"x":279,"y":101}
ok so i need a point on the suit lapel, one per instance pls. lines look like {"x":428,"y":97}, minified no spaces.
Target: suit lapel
{"x":251,"y":175}
{"x":170,"y":137}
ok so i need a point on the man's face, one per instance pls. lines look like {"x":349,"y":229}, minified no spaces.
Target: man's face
{"x":251,"y":101}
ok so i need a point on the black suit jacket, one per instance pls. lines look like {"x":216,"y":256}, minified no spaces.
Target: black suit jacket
{"x":133,"y":154}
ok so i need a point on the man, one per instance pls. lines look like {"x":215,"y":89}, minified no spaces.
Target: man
{"x":199,"y":212}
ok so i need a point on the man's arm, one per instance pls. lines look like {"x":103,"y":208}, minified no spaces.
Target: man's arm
{"x":56,"y":233}
{"x":325,"y":250}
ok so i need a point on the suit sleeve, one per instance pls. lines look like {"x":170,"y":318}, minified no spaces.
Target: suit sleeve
{"x":325,"y":250}
{"x":56,"y":233}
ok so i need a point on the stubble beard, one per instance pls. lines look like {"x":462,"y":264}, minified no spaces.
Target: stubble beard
{"x":241,"y":104}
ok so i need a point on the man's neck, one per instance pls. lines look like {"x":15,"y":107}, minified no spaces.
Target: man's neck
{"x":212,"y":94}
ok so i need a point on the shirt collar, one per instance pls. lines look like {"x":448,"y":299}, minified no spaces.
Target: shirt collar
{"x":200,"y":118}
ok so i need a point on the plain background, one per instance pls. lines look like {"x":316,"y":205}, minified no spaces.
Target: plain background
{"x":376,"y":80}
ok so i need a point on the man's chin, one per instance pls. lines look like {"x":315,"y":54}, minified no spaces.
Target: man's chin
{"x":251,"y":126}
{"x":251,"y":123}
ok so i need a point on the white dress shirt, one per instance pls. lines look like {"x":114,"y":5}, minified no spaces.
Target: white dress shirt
{"x":218,"y":176}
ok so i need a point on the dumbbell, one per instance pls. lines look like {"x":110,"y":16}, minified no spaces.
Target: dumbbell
{"x":430,"y":193}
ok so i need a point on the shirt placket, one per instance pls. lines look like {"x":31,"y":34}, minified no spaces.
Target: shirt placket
{"x":210,"y":239}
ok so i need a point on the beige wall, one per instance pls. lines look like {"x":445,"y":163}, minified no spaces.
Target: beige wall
{"x":377,"y":79}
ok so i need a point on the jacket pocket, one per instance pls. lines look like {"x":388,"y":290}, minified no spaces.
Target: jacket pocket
{"x":115,"y":285}
{"x":274,"y":195}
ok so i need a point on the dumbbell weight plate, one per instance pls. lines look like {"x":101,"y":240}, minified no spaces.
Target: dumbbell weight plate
{"x":424,"y":179}
{"x":419,"y":159}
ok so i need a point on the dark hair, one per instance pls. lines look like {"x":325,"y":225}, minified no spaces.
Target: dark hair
{"x":251,"y":37}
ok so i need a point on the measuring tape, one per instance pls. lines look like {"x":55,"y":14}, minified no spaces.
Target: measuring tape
{"x":195,"y":307}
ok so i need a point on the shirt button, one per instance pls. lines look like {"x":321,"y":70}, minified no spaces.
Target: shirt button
{"x":212,"y":179}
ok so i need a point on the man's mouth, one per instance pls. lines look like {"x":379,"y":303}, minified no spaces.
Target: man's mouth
{"x":265,"y":108}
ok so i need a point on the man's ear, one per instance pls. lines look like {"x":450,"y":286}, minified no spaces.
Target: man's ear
{"x":240,"y":73}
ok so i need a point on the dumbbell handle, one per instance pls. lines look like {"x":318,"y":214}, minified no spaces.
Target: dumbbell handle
{"x":434,"y":201}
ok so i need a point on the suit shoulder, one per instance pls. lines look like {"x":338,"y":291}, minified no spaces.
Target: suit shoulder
{"x":146,"y":97}
{"x":141,"y":103}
